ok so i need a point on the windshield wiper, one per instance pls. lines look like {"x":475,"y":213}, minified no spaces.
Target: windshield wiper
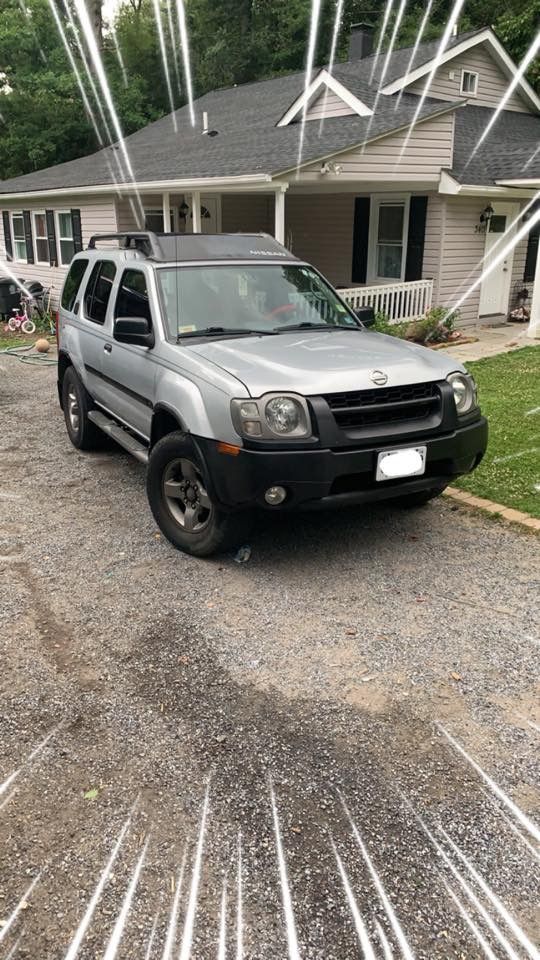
{"x":308,"y":325}
{"x":228,"y":331}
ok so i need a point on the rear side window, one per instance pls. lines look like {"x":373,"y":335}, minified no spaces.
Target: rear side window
{"x":132,"y":299}
{"x":98,"y":290}
{"x":72,"y":283}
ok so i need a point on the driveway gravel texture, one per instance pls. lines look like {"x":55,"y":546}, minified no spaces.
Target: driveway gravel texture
{"x":329,"y":751}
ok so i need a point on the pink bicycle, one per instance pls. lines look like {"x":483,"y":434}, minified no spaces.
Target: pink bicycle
{"x":20,"y":319}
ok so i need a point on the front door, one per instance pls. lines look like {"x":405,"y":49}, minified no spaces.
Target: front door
{"x":495,"y":289}
{"x":210,"y":214}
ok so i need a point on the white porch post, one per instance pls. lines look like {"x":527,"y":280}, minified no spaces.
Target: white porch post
{"x":166,"y":213}
{"x":279,"y":214}
{"x":533,"y":330}
{"x":196,"y":210}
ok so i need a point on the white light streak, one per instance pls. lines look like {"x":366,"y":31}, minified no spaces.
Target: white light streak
{"x":5,"y":268}
{"x":89,"y":74}
{"x":222,"y":943}
{"x":531,"y":158}
{"x":172,"y":44}
{"x":397,"y":24}
{"x":161,"y":37}
{"x":515,"y":456}
{"x":361,"y":930}
{"x":187,"y":936}
{"x":387,"y":12}
{"x":488,"y":952}
{"x":517,"y":78}
{"x":118,"y":930}
{"x":494,"y":900}
{"x":173,"y":919}
{"x":412,"y":58}
{"x":518,"y":814}
{"x":73,"y":65}
{"x":387,"y":949}
{"x":395,"y":924}
{"x":12,"y":918}
{"x":184,"y":42}
{"x":532,"y":850}
{"x":14,"y":948}
{"x":239,"y":916}
{"x":118,"y":52}
{"x":151,"y":939}
{"x":83,"y":926}
{"x":292,"y":940}
{"x":434,"y":67}
{"x":333,"y":45}
{"x":530,"y":413}
{"x":13,"y":776}
{"x":312,"y":44}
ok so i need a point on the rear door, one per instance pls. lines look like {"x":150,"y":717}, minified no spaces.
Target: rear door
{"x":92,"y":312}
{"x":128,"y":370}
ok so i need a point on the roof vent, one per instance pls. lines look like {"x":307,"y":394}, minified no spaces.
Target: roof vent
{"x":360,"y":41}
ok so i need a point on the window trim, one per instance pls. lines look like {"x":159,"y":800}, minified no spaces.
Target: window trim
{"x":17,"y":259}
{"x":469,"y":93}
{"x":378,"y":200}
{"x":60,"y":238}
{"x":35,"y":237}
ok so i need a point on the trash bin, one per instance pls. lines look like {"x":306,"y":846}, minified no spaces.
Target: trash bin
{"x":10,"y":296}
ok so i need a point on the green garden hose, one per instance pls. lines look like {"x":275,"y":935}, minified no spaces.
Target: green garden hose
{"x":20,"y":353}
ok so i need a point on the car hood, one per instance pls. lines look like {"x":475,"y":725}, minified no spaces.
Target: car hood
{"x":311,"y":363}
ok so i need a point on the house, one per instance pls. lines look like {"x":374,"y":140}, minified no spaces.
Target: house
{"x":398,"y":197}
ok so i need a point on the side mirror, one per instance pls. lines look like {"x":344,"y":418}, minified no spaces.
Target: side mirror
{"x":366,"y":315}
{"x":135,"y":330}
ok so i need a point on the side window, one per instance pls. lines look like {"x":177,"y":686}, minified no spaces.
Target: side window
{"x":72,"y":283}
{"x":132,"y":299}
{"x":98,"y":290}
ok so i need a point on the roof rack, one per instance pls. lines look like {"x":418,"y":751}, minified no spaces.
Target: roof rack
{"x":143,"y":240}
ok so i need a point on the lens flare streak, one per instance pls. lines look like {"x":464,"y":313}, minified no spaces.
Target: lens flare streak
{"x":20,"y":906}
{"x":151,"y":939}
{"x":187,"y":935}
{"x":332,"y":57}
{"x":166,"y":74}
{"x":118,"y":930}
{"x":172,"y":44}
{"x":222,"y":942}
{"x":173,"y":919}
{"x":417,"y":42}
{"x":119,"y":57}
{"x":488,"y":952}
{"x":397,"y":24}
{"x":13,"y":776}
{"x":14,"y":949}
{"x":292,"y":939}
{"x":312,"y":43}
{"x":239,"y":907}
{"x":361,"y":930}
{"x":184,"y":42}
{"x":387,"y":949}
{"x":86,"y":103}
{"x":382,"y":31}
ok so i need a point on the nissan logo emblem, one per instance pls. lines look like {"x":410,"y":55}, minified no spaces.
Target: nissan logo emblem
{"x":379,"y":377}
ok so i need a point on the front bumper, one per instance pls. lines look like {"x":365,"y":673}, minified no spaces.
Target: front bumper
{"x":329,"y":478}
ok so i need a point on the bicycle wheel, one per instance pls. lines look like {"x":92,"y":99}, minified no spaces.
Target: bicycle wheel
{"x":14,"y":323}
{"x":28,"y":326}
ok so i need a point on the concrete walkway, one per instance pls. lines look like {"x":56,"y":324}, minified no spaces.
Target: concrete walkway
{"x":491,"y":340}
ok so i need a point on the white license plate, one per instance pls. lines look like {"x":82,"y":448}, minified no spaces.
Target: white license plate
{"x":409,"y":462}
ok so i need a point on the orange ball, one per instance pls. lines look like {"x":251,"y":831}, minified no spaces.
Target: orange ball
{"x":42,"y":346}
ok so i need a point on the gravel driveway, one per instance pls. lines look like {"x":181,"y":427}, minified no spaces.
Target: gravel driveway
{"x":325,"y":752}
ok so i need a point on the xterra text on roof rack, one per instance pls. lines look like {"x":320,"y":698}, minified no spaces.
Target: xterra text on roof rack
{"x":238,"y":375}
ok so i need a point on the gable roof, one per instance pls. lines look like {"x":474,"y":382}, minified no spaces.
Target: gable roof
{"x":324,"y":80}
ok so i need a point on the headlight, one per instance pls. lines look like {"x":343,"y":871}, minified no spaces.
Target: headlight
{"x":464,"y":389}
{"x":271,"y":417}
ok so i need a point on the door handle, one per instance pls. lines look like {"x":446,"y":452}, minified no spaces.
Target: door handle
{"x":108,"y":348}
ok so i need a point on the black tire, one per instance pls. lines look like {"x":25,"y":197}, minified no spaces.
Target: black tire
{"x":411,"y":500}
{"x":188,"y":517}
{"x":76,"y":402}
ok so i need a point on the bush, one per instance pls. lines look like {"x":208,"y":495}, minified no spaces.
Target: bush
{"x":434,"y":327}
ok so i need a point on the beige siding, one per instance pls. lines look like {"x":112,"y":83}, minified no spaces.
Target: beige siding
{"x":247,"y":213}
{"x":518,"y":268}
{"x":328,"y":104}
{"x":463,"y":250}
{"x":430,"y":147}
{"x":492,"y":81}
{"x":98,"y":215}
{"x":320,"y":229}
{"x":433,"y":244}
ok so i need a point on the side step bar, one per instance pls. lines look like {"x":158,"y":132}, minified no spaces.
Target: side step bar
{"x":125,"y":439}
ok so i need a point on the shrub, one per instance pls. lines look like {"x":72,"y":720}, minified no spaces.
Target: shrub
{"x":434,"y":327}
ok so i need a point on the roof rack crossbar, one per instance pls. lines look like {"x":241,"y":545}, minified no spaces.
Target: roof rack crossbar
{"x":143,"y":240}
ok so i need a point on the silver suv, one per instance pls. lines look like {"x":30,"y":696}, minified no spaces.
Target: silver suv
{"x":241,"y":379}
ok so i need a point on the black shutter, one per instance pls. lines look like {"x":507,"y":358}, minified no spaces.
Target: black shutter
{"x":360,"y":239}
{"x":7,"y":234}
{"x":415,"y":238}
{"x":27,"y":220}
{"x":532,"y":254}
{"x":51,"y":238}
{"x":77,"y":230}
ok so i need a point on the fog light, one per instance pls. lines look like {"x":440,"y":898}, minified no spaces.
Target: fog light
{"x":275,"y":495}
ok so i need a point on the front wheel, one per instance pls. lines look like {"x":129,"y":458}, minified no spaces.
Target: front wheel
{"x":419,"y":499}
{"x":180,"y":502}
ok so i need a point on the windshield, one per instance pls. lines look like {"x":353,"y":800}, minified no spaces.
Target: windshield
{"x":244,"y":298}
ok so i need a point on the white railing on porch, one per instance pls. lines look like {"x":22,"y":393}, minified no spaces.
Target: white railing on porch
{"x":398,"y":301}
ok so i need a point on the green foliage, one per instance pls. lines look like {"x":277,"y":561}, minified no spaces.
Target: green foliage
{"x":434,"y":327}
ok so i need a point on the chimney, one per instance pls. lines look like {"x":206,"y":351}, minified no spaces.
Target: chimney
{"x":360,"y":41}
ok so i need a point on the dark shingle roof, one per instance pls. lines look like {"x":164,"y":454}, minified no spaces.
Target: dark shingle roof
{"x":509,"y":145}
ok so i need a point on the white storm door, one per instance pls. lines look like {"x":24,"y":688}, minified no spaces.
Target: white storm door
{"x":495,"y":289}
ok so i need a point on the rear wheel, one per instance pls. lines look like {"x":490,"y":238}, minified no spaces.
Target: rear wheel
{"x":180,"y":502}
{"x":419,"y":499}
{"x":76,"y":402}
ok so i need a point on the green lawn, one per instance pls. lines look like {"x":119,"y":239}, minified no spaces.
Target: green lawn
{"x":509,"y":391}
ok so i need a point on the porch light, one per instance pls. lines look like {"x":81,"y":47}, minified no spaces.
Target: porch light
{"x":183,"y":210}
{"x":486,"y":214}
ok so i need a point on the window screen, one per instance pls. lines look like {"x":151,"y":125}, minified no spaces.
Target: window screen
{"x":469,"y":82}
{"x":98,"y":290}
{"x":72,"y":283}
{"x":65,"y":236}
{"x":132,"y":299}
{"x":41,"y":238}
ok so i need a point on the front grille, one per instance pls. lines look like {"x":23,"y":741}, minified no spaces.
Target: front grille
{"x":383,"y":405}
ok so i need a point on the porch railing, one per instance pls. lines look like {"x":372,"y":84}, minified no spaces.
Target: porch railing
{"x":399,"y":301}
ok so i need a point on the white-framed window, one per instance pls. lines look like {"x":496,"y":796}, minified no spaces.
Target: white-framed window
{"x":388,"y":225}
{"x":153,"y":219}
{"x":19,"y":240}
{"x":469,"y":83}
{"x":41,"y":242}
{"x":65,"y":236}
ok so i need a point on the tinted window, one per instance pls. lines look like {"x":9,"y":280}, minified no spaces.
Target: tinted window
{"x":132,"y":299}
{"x":98,"y":290}
{"x":72,"y":283}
